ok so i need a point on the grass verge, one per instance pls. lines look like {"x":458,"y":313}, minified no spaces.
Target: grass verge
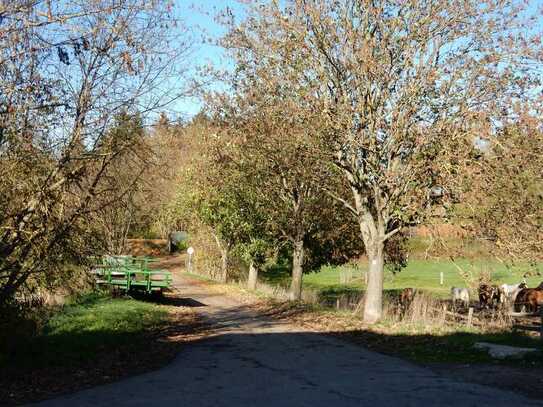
{"x":92,"y":340}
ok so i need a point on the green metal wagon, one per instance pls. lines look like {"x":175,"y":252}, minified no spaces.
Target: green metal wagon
{"x":130,"y":273}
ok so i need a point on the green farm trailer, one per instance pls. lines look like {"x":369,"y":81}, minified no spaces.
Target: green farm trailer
{"x":130,"y":273}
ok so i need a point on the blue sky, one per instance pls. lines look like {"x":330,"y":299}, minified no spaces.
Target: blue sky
{"x":200,"y":17}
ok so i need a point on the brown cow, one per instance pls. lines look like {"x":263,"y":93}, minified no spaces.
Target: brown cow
{"x":406,"y":298}
{"x":489,"y":295}
{"x":530,"y":298}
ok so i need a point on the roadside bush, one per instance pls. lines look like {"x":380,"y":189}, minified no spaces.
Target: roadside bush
{"x":18,"y":323}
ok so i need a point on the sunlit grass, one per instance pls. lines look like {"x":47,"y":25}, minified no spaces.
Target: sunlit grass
{"x":421,"y":274}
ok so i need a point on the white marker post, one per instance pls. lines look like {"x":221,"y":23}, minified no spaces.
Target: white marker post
{"x":190,"y":252}
{"x":470,"y":316}
{"x":441,"y":278}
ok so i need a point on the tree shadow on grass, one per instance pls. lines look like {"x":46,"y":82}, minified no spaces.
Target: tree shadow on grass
{"x":454,"y":355}
{"x":445,"y":348}
{"x":79,"y":351}
{"x":45,"y":367}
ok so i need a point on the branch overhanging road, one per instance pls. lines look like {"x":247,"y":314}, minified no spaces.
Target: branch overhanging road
{"x":251,"y":360}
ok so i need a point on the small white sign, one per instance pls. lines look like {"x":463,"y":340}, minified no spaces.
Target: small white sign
{"x":190,"y":251}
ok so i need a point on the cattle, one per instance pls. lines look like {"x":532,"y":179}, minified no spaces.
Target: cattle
{"x":460,"y":294}
{"x":529,"y":299}
{"x":489,"y":295}
{"x":406,"y":298}
{"x":510,"y":292}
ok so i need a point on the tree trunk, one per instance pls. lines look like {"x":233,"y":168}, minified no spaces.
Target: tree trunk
{"x":224,"y":266}
{"x":253,"y":277}
{"x":373,"y":300}
{"x":297,"y":270}
{"x":373,"y":235}
{"x":223,"y":248}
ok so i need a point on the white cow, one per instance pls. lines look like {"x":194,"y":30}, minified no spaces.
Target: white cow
{"x":511,"y":291}
{"x":460,"y":294}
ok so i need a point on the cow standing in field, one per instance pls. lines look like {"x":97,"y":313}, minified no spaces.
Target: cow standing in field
{"x":489,"y":295}
{"x":460,"y":294}
{"x":510,"y":292}
{"x":406,"y":298}
{"x":530,"y":299}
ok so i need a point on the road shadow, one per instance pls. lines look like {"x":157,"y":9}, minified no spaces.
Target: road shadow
{"x":241,"y":353}
{"x":267,"y":368}
{"x":180,"y":302}
{"x":167,"y":299}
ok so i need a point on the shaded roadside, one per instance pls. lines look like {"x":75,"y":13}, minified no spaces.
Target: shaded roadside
{"x":450,"y":355}
{"x":254,"y":360}
{"x":98,"y":340}
{"x":247,"y":352}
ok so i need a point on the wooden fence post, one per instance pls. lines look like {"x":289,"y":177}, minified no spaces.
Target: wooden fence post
{"x":444,"y":315}
{"x":470,"y":316}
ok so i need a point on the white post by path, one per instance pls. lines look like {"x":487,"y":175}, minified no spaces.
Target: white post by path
{"x":190,"y":252}
{"x":470,"y":316}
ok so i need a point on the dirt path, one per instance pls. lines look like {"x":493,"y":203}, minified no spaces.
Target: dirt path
{"x":253,"y":361}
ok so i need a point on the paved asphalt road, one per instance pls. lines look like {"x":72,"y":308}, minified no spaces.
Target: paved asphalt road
{"x":253,"y":361}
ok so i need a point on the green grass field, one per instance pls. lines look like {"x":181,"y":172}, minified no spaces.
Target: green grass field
{"x":421,"y":274}
{"x":90,"y":326}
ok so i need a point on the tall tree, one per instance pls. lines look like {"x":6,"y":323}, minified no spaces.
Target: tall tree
{"x":66,"y":70}
{"x":272,"y":147}
{"x":391,"y":80}
{"x":210,"y":193}
{"x":498,"y":188}
{"x":125,"y":181}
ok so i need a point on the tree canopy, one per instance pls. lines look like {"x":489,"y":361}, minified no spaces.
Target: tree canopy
{"x":388,"y":84}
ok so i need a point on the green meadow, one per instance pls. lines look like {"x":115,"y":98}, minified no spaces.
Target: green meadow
{"x":421,"y":274}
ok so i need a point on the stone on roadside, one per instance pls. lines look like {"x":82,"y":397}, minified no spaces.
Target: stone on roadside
{"x":503,"y":351}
